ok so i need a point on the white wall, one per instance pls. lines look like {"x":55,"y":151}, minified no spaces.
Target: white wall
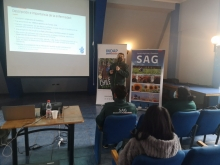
{"x":140,"y":28}
{"x":198,"y":24}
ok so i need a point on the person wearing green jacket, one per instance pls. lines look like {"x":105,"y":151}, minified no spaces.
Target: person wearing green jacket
{"x":119,"y":106}
{"x":118,"y":72}
{"x":183,"y":101}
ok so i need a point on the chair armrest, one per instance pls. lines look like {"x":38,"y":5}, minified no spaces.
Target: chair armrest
{"x":200,"y":143}
{"x":115,"y":156}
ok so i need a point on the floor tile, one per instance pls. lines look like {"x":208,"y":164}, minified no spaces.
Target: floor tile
{"x":89,"y":160}
{"x":60,"y":154}
{"x":39,"y":157}
{"x":84,"y":151}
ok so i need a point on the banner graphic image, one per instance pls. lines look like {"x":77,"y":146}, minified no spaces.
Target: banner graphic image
{"x":103,"y":72}
{"x":107,"y":54}
{"x":146,"y":78}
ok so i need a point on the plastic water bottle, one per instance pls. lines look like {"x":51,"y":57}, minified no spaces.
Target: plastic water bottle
{"x":48,"y":109}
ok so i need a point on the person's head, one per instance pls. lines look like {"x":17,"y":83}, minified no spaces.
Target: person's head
{"x":157,"y":123}
{"x":120,"y":91}
{"x":183,"y":93}
{"x":120,"y":57}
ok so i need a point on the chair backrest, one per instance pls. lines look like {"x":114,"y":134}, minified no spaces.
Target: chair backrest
{"x":183,"y":122}
{"x":143,"y":159}
{"x":208,"y":122}
{"x":203,"y":156}
{"x":140,"y":121}
{"x":118,"y":127}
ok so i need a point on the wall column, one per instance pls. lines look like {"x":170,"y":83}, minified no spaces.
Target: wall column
{"x":173,"y":45}
{"x":99,"y":20}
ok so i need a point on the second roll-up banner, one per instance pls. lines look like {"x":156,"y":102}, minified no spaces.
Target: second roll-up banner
{"x":146,"y":78}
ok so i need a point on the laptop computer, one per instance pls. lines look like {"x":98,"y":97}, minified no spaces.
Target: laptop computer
{"x":18,"y":112}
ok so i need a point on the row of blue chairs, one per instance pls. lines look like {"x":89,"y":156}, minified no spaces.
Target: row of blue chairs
{"x":196,"y":123}
{"x":195,"y":156}
{"x":186,"y":124}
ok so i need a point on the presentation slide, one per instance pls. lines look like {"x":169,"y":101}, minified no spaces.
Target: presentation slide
{"x":47,"y":38}
{"x":46,"y":32}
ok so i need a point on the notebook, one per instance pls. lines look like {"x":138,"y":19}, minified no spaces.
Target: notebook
{"x":18,"y":112}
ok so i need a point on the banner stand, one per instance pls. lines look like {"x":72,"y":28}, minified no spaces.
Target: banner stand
{"x":107,"y":54}
{"x":147,"y":67}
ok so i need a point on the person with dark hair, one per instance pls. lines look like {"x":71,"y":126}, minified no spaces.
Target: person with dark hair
{"x":182,"y":101}
{"x":119,"y":106}
{"x":155,"y":137}
{"x":118,"y":72}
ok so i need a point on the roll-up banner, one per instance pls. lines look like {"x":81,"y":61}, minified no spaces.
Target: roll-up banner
{"x":146,"y":78}
{"x":107,"y":54}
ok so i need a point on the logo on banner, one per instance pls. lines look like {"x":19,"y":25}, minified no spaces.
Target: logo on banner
{"x":111,"y":51}
{"x":147,"y":59}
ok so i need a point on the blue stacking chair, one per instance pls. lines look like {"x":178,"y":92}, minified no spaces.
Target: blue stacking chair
{"x":185,"y":123}
{"x":146,"y":160}
{"x":115,"y":129}
{"x":202,"y":156}
{"x":207,"y":123}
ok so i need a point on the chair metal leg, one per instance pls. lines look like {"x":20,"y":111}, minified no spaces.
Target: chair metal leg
{"x":204,"y":138}
{"x":217,"y":133}
{"x":26,"y":141}
{"x":193,"y":135}
{"x":98,"y":145}
{"x":181,"y":140}
{"x":100,"y":148}
{"x":216,"y":142}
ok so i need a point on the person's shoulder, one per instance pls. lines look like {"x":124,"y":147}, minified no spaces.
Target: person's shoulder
{"x":133,"y":141}
{"x":123,"y":63}
{"x":109,"y":103}
{"x":131,"y":104}
{"x":193,"y":102}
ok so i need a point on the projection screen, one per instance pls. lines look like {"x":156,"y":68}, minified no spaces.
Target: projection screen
{"x":47,"y":37}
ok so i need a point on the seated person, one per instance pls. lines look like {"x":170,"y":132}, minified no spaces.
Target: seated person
{"x":118,"y":106}
{"x":154,"y":138}
{"x":182,"y":101}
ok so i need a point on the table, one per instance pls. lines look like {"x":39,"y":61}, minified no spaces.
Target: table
{"x":205,"y":91}
{"x":70,"y":116}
